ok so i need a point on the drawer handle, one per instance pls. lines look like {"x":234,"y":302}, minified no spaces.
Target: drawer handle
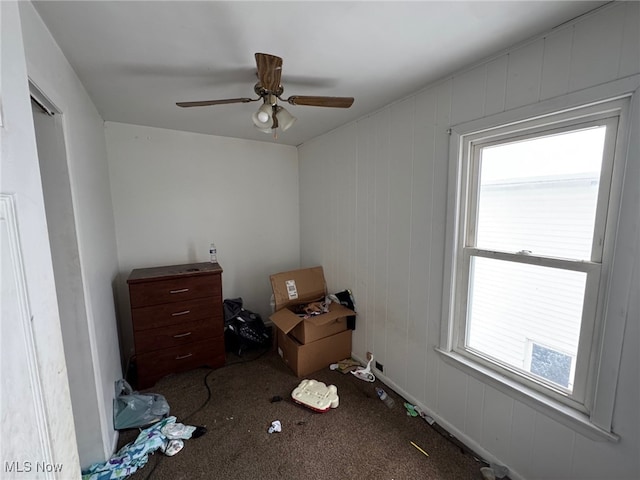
{"x":180,"y":357}
{"x":185,"y":312}
{"x":182,"y":290}
{"x":182,"y":335}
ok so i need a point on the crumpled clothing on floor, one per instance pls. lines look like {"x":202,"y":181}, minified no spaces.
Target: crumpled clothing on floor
{"x":132,"y":456}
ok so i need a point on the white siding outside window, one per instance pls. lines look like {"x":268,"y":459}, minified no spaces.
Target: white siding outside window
{"x":513,"y":303}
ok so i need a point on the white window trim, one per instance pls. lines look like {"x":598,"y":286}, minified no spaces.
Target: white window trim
{"x":607,"y":339}
{"x":471,"y":145}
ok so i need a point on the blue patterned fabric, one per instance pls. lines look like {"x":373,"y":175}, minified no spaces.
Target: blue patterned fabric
{"x":132,"y":456}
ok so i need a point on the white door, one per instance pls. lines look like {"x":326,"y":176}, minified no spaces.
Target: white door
{"x":37,"y":437}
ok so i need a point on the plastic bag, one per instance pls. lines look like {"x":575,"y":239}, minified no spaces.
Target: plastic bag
{"x":132,"y":409}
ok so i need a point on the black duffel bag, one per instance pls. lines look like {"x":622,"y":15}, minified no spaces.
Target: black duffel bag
{"x":243,"y":329}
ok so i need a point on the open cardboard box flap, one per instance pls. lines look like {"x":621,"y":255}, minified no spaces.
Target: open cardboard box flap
{"x":298,"y":286}
{"x":286,"y":320}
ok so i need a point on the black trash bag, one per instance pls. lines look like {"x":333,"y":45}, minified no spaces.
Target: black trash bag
{"x":132,"y":409}
{"x":243,"y":329}
{"x":346,"y":299}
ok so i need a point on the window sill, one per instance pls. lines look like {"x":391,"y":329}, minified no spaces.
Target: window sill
{"x":577,"y":421}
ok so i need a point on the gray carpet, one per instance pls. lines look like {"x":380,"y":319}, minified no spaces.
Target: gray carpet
{"x":361,"y":439}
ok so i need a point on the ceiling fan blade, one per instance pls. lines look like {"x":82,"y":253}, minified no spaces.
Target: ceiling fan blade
{"x":269,"y":71}
{"x":335,"y":102}
{"x":205,"y":103}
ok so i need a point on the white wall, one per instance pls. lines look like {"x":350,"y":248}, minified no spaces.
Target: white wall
{"x":175,"y":192}
{"x":94,"y":343}
{"x":378,"y":188}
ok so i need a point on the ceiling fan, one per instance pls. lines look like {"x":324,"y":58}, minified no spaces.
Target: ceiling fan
{"x":270,"y":115}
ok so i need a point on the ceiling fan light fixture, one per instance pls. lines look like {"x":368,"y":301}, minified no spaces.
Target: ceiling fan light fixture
{"x":263,"y":117}
{"x":285,"y":119}
{"x":265,"y":129}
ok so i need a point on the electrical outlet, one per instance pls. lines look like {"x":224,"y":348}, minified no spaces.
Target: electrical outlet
{"x":379,"y":367}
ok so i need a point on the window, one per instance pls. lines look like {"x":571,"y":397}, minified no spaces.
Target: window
{"x":530,"y":222}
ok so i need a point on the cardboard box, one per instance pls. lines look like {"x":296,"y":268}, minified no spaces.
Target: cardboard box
{"x":314,"y":356}
{"x":298,"y":287}
{"x":308,"y":345}
{"x":310,"y":330}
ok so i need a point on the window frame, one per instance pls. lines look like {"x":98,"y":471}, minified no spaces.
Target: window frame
{"x":472,"y":145}
{"x":592,"y":415}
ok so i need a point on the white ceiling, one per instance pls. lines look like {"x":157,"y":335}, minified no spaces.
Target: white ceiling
{"x":136,"y":59}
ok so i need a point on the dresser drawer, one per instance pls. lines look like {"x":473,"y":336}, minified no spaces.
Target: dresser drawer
{"x":174,"y":290}
{"x":144,"y":318}
{"x":154,"y":365}
{"x":176,"y":335}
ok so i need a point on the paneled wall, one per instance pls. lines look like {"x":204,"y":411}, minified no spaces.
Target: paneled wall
{"x":373,"y":198}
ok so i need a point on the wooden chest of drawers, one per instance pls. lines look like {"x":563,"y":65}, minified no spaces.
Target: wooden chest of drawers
{"x":177,"y":319}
